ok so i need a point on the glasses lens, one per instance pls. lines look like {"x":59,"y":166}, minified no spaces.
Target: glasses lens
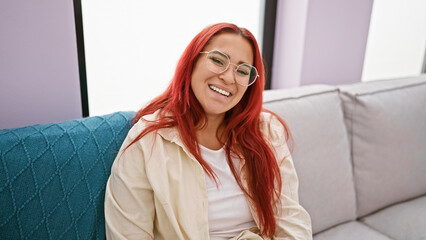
{"x":217,"y":62}
{"x":246,"y":74}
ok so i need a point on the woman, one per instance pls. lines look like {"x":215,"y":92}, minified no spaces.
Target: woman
{"x":204,"y":160}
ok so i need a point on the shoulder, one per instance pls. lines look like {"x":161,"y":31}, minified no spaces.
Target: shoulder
{"x":154,"y":134}
{"x":142,"y":124}
{"x":271,"y":126}
{"x":275,"y":133}
{"x":136,"y":129}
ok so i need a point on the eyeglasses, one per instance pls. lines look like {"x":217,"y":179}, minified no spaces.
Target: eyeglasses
{"x":218,"y":62}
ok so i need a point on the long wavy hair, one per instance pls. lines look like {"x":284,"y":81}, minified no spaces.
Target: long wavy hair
{"x":178,"y":107}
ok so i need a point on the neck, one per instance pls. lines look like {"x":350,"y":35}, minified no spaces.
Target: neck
{"x":207,"y":136}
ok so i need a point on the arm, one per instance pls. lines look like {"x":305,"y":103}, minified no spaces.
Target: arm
{"x":129,"y":204}
{"x":293,"y":221}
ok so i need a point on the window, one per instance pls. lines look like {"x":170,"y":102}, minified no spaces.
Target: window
{"x":396,"y":45}
{"x":132,"y":47}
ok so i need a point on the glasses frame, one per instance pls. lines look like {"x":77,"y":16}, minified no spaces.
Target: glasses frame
{"x":236,"y":67}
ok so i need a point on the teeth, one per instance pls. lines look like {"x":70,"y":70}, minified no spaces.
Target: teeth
{"x":221,"y":91}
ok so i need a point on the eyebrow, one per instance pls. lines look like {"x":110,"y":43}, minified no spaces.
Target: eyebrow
{"x":229,"y":57}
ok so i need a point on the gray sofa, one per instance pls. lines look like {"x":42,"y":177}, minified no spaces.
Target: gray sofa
{"x":360,"y":154}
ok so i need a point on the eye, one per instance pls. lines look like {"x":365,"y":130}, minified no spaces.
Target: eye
{"x":243,"y":70}
{"x":216,"y":60}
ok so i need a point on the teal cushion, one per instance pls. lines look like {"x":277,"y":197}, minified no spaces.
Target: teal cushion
{"x":53,"y":177}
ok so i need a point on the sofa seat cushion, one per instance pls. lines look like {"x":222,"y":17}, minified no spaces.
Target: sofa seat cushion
{"x":321,"y":154}
{"x":403,"y":221}
{"x":386,"y":121}
{"x":53,"y":177}
{"x":351,"y":231}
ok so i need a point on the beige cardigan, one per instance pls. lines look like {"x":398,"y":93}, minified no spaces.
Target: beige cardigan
{"x":157,"y":189}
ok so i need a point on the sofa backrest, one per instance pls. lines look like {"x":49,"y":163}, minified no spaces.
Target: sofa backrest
{"x":53,"y":177}
{"x":386,"y":121}
{"x":321,"y":154}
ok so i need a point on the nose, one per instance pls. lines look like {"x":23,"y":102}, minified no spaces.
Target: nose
{"x":229,"y":75}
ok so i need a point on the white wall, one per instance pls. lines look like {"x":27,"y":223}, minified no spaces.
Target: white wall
{"x":39,"y":81}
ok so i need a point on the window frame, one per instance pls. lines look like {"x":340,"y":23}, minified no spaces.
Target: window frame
{"x":268,"y":35}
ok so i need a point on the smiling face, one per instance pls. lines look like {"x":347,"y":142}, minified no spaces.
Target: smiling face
{"x":218,"y":93}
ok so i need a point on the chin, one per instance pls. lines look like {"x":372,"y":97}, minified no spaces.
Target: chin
{"x":216,"y":111}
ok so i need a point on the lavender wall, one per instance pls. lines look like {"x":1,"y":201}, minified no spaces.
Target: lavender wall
{"x":289,"y":43}
{"x":39,"y":80}
{"x":321,"y":41}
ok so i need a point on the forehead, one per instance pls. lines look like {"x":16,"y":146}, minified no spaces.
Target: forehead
{"x":234,"y":45}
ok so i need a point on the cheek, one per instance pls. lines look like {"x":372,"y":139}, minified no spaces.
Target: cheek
{"x":241,"y":94}
{"x":242,"y":91}
{"x":197,"y":85}
{"x":194,"y":80}
{"x":197,"y":72}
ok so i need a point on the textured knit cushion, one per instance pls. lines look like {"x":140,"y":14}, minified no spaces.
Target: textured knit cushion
{"x":321,"y":155}
{"x":404,"y":221}
{"x":53,"y":177}
{"x":387,"y":124}
{"x":351,"y":231}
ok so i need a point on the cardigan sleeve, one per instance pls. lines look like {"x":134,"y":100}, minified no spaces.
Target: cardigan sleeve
{"x":129,"y":203}
{"x":292,"y":220}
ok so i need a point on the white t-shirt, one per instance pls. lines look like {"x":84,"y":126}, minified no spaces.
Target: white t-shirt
{"x":228,"y":209}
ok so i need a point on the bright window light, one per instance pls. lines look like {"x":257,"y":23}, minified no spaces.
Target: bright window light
{"x":396,"y":40}
{"x":132,"y":47}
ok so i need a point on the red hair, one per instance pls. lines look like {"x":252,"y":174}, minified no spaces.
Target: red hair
{"x":241,"y":123}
